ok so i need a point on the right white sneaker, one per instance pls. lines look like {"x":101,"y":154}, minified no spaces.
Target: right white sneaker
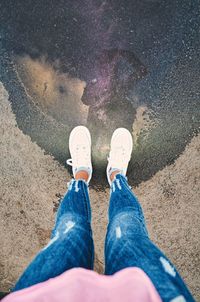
{"x":120,"y":152}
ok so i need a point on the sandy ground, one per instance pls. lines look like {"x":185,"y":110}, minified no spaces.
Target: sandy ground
{"x":32,"y":182}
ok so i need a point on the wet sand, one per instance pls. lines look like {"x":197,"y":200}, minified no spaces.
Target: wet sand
{"x":32,"y":183}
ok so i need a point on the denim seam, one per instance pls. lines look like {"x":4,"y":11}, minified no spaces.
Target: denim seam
{"x":116,"y":254}
{"x":88,"y":210}
{"x":87,"y":207}
{"x":130,"y":191}
{"x":74,"y":245}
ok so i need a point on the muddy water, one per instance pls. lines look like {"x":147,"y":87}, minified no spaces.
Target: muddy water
{"x":56,"y":94}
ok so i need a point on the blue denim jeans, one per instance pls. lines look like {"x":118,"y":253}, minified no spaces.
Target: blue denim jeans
{"x":127,"y":242}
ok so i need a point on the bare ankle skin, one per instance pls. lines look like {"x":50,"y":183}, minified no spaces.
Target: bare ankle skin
{"x":113,"y":174}
{"x":82,"y":175}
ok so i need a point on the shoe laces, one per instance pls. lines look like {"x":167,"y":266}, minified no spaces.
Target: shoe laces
{"x":118,"y":157}
{"x":80,"y":158}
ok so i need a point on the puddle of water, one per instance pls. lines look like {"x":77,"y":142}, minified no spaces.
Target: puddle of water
{"x":57,"y":94}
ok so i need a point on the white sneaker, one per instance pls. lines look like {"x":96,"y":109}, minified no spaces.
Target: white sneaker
{"x":80,"y":150}
{"x":120,"y":152}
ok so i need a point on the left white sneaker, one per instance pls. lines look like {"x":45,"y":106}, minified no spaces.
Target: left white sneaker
{"x":80,"y":150}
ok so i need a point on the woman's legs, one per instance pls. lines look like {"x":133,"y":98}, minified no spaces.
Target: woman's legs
{"x":128,"y":244}
{"x":71,"y":243}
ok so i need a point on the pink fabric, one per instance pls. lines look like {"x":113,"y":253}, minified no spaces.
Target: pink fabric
{"x":78,"y":284}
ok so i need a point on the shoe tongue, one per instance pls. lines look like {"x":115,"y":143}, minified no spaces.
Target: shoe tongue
{"x":113,"y":170}
{"x":87,"y":169}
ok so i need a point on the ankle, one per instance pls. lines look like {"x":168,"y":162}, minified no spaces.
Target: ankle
{"x":113,"y":174}
{"x":82,"y":174}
